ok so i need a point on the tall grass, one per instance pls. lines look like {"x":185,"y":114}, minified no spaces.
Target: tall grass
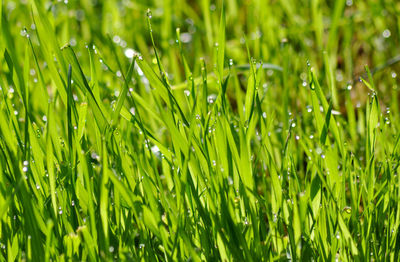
{"x":183,"y":130}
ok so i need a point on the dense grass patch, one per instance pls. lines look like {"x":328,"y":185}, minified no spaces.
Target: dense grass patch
{"x":199,"y":130}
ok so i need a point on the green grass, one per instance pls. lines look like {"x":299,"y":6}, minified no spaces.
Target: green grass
{"x":199,"y":130}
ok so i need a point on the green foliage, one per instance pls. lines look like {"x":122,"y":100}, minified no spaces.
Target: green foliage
{"x":199,"y":130}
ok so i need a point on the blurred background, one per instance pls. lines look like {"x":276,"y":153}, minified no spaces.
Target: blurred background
{"x":352,"y":33}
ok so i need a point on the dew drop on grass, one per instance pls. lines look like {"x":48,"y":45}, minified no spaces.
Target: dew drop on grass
{"x":264,"y":115}
{"x":275,"y":218}
{"x":386,"y":33}
{"x":111,"y":249}
{"x":149,"y":14}
{"x":211,"y":98}
{"x":73,"y":203}
{"x":318,"y":150}
{"x":129,"y":53}
{"x":116,"y":39}
{"x":72,"y":42}
{"x":187,"y":92}
{"x":37,"y":187}
{"x":214,"y":163}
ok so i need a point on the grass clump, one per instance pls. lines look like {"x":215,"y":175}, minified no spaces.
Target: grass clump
{"x":184,"y":130}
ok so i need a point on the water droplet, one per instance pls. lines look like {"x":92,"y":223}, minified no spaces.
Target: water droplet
{"x":187,"y":92}
{"x":386,"y":33}
{"x":149,"y":14}
{"x":186,"y":38}
{"x":37,"y":187}
{"x":264,"y":115}
{"x":155,"y":150}
{"x":214,"y":163}
{"x":111,"y":249}
{"x":129,"y":53}
{"x":73,"y":203}
{"x":211,"y":98}
{"x":394,"y":75}
{"x":349,"y":87}
{"x":72,"y":42}
{"x":116,"y":39}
